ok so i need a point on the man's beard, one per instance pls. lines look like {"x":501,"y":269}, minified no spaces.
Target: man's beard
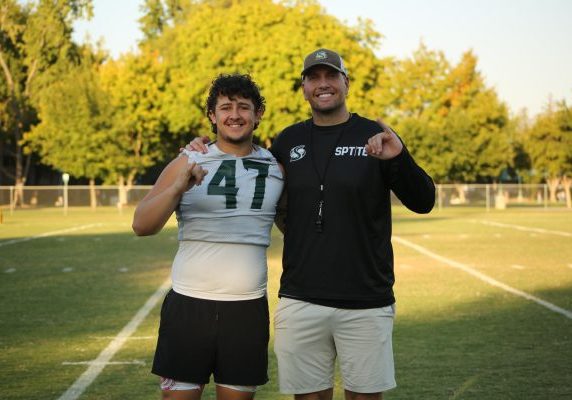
{"x":239,"y":140}
{"x":328,"y":110}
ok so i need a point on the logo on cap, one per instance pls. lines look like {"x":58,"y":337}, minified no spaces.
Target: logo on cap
{"x":321,"y":55}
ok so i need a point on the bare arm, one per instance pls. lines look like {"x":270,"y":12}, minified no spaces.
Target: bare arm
{"x":153,"y":212}
{"x":281,"y":207}
{"x":280,"y":217}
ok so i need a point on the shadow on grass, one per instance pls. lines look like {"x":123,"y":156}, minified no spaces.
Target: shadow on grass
{"x":488,"y":348}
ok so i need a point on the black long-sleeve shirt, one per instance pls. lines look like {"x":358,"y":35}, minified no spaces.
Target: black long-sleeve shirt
{"x":350,"y":263}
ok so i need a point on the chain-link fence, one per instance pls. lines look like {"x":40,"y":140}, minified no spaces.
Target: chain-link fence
{"x":500,"y":196}
{"x":491,"y":196}
{"x":22,"y":197}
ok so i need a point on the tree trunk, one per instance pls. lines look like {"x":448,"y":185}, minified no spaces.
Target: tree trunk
{"x":19,"y":157}
{"x":460,"y":188}
{"x":92,"y":194}
{"x":130,"y":180}
{"x":18,"y":193}
{"x":552,"y":187}
{"x":15,"y":122}
{"x":122,"y":200}
{"x":27,"y":167}
{"x":2,"y":174}
{"x":567,"y":183}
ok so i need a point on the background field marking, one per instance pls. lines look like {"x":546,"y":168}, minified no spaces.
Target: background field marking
{"x":524,"y":228}
{"x":483,"y":277}
{"x":129,"y":338}
{"x":52,"y":233}
{"x":97,"y":365}
{"x":133,"y":362}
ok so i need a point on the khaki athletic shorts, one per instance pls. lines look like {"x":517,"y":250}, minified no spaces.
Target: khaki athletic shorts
{"x":309,"y":337}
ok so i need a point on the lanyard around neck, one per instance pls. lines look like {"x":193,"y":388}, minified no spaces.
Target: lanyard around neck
{"x":322,"y":177}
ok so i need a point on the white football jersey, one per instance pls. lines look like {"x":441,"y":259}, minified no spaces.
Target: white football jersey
{"x":224,"y":226}
{"x":236,"y":202}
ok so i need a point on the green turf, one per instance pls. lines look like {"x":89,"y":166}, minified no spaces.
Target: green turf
{"x":455,"y":336}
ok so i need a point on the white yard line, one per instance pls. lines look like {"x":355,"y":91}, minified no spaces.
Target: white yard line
{"x":97,"y":365}
{"x":483,"y":277}
{"x":129,"y":338}
{"x":524,"y":228}
{"x":134,"y":362}
{"x":52,"y":233}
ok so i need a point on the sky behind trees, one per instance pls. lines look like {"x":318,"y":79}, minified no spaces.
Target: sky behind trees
{"x":524,"y":46}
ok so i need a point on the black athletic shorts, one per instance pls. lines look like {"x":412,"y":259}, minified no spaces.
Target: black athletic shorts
{"x":228,"y":339}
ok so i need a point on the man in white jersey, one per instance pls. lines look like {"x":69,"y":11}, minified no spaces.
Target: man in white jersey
{"x":215,"y":319}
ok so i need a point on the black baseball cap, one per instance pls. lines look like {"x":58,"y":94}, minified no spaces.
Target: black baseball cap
{"x":324,"y":57}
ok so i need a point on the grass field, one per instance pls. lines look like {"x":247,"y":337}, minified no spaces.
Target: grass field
{"x":459,"y":334}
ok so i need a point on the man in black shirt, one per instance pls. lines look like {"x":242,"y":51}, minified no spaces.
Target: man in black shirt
{"x":336,"y":290}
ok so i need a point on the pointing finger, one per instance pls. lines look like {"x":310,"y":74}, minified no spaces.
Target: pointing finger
{"x":386,"y":128}
{"x":382,"y":124}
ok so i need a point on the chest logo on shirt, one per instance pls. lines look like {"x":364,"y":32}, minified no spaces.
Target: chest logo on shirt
{"x":297,"y":153}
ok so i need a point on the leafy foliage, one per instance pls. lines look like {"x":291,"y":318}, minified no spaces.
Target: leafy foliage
{"x":267,"y":40}
{"x":450,"y":120}
{"x":75,"y":121}
{"x":549,"y":141}
{"x":118,"y":118}
{"x":35,"y":50}
{"x":137,"y":138}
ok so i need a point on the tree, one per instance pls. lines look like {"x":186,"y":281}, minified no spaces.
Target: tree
{"x":450,"y":120}
{"x":158,"y":14}
{"x":75,"y":125}
{"x":35,"y":48}
{"x":549,"y":145}
{"x":138,"y":136}
{"x":565,"y":124}
{"x":519,"y":125}
{"x":468,"y":95}
{"x":274,"y":38}
{"x":141,"y":107}
{"x":416,"y":93}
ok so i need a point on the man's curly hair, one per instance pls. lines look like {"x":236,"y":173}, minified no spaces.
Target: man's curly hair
{"x":231,"y":86}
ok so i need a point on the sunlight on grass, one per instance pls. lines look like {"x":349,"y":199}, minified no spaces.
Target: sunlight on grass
{"x":455,"y":337}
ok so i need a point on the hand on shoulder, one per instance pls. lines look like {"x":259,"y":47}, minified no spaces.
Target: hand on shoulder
{"x":198,"y":144}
